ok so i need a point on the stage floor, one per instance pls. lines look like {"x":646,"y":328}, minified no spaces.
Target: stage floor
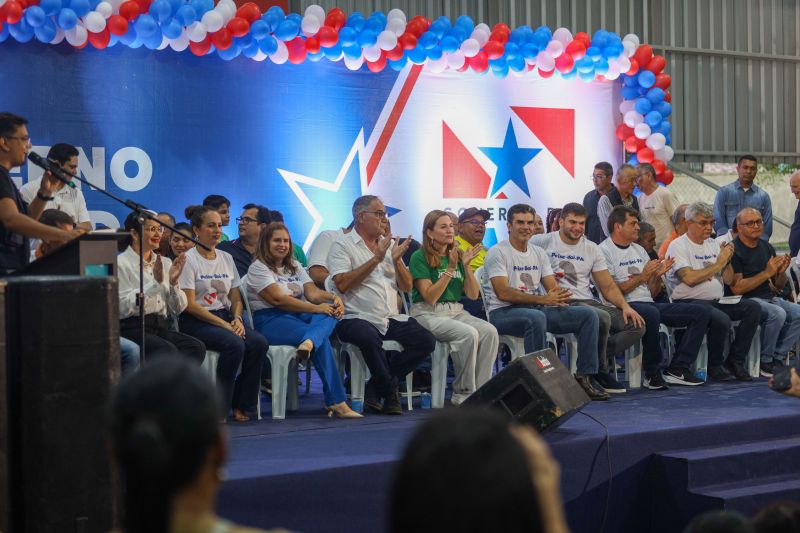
{"x":311,"y":474}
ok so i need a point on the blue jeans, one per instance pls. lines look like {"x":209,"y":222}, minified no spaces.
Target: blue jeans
{"x":693,"y":317}
{"x":532,"y":322}
{"x":286,"y":328}
{"x":780,"y":327}
{"x":128,"y":356}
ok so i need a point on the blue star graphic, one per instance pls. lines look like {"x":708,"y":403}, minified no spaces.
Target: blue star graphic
{"x":510,"y":160}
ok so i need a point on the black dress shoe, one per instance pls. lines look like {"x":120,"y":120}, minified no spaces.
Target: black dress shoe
{"x":738,"y":370}
{"x":372,"y":400}
{"x":588,"y":386}
{"x":719,"y":373}
{"x":391,"y":404}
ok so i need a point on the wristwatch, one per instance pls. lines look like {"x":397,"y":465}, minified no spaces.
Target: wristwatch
{"x":43,"y":198}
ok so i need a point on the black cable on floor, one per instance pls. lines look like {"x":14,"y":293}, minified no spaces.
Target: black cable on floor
{"x":610,"y":470}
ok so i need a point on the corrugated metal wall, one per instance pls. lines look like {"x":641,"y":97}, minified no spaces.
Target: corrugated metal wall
{"x":735,"y":64}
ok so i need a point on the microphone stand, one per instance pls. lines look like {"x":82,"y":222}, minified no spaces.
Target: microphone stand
{"x":142,"y":214}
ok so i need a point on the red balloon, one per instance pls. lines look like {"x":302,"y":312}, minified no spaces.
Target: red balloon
{"x":500,"y":36}
{"x":144,"y":5}
{"x":415,"y":28}
{"x":624,"y":131}
{"x":634,"y":68}
{"x":659,"y":166}
{"x":297,"y":50}
{"x":667,"y":178}
{"x":100,"y":40}
{"x":335,"y":19}
{"x":130,"y":10}
{"x":312,"y":45}
{"x":576,"y":49}
{"x":395,"y":53}
{"x":657,"y":64}
{"x":238,"y":27}
{"x":12,"y":11}
{"x":645,"y":155}
{"x":583,"y":37}
{"x":564,"y":63}
{"x":117,"y":24}
{"x":663,"y":81}
{"x":407,"y":40}
{"x":631,"y":144}
{"x":201,"y":48}
{"x":545,"y":73}
{"x":327,"y":36}
{"x":479,"y":62}
{"x":501,"y":26}
{"x":668,"y":97}
{"x":643,"y":54}
{"x":1,"y":21}
{"x":249,"y":11}
{"x":493,"y":49}
{"x":222,"y":39}
{"x":377,"y":66}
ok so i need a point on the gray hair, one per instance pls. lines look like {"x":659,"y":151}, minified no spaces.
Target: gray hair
{"x":679,"y":215}
{"x":745,"y":210}
{"x":699,"y":209}
{"x":362,"y":204}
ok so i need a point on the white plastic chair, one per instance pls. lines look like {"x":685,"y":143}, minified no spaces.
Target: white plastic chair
{"x":359,"y":373}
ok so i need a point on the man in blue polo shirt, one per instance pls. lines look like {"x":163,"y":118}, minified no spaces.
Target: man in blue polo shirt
{"x":734,"y":197}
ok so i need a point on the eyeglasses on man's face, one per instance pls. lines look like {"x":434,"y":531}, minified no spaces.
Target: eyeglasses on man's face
{"x":752,"y":224}
{"x":379,"y":214}
{"x":475,"y":222}
{"x":245,"y":220}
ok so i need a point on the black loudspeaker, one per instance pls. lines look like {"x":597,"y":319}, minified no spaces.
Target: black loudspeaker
{"x":61,"y":357}
{"x":535,"y":389}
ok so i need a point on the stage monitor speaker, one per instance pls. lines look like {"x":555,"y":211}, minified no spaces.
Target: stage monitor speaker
{"x":535,"y":389}
{"x":61,"y":358}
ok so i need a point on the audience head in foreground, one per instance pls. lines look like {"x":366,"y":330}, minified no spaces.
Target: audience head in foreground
{"x":468,"y":470}
{"x":168,"y":446}
{"x":719,"y":522}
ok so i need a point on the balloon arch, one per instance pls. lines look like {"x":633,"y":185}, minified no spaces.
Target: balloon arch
{"x":380,"y":40}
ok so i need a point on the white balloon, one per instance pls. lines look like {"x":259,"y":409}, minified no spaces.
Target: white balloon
{"x":437,"y":66}
{"x":545,"y":61}
{"x":624,"y":64}
{"x":554,"y":48}
{"x":632,"y":118}
{"x":480,"y":35}
{"x":115,"y":5}
{"x":456,"y":60}
{"x":669,"y":153}
{"x":94,"y":21}
{"x":387,"y":40}
{"x":632,"y":37}
{"x":484,"y":27}
{"x":470,"y":47}
{"x":77,"y":35}
{"x":316,"y":11}
{"x":164,"y":43}
{"x":397,"y":14}
{"x":226,"y":10}
{"x":627,"y":105}
{"x":656,"y":141}
{"x":612,"y":75}
{"x":197,"y":32}
{"x":260,"y":56}
{"x":628,"y":48}
{"x":281,"y":55}
{"x":642,"y":131}
{"x":530,"y":60}
{"x":396,"y":26}
{"x":213,"y":20}
{"x":562,"y":35}
{"x":180,"y":43}
{"x":372,"y":54}
{"x":59,"y":36}
{"x":105,"y":9}
{"x":353,"y":64}
{"x":310,"y":24}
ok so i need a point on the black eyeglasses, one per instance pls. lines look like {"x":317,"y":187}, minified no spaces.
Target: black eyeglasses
{"x":475,"y":222}
{"x":379,"y":214}
{"x":245,"y":220}
{"x":753,"y":224}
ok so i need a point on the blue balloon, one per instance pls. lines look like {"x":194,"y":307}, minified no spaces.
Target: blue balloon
{"x":50,"y":7}
{"x":643,"y":106}
{"x":21,"y":31}
{"x":438,"y":28}
{"x":633,"y":160}
{"x":656,"y":95}
{"x":498,"y":64}
{"x":646,"y":79}
{"x":259,"y":30}
{"x":669,"y":138}
{"x":161,"y":10}
{"x":653,"y":118}
{"x":529,"y":51}
{"x":356,"y":22}
{"x":186,"y":15}
{"x":145,"y":26}
{"x":112,"y":40}
{"x":584,"y":65}
{"x":435,"y":53}
{"x":277,"y":10}
{"x":352,"y":52}
{"x":601,"y":67}
{"x":571,"y":75}
{"x":450,"y":44}
{"x":417,"y":55}
{"x":373,"y":25}
{"x":665,"y":128}
{"x":245,"y":41}
{"x":516,"y":64}
{"x":80,"y":7}
{"x":586,"y":76}
{"x":544,"y":30}
{"x":665,"y":108}
{"x":502,"y":73}
{"x":47,"y":31}
{"x":630,"y":81}
{"x":4,"y":33}
{"x":594,"y":52}
{"x":130,"y":37}
{"x":67,"y":19}
{"x":172,"y":29}
{"x":540,"y":40}
{"x":296,"y":18}
{"x":315,"y":57}
{"x":465,"y":23}
{"x":600,"y":39}
{"x":334,"y":52}
{"x":630,"y":93}
{"x":347,"y":36}
{"x":367,"y":38}
{"x":232,"y":52}
{"x":612,"y":52}
{"x":250,"y":51}
{"x":517,"y":36}
{"x":269,"y":45}
{"x":512,"y":50}
{"x":202,"y":7}
{"x":428,"y":40}
{"x":287,"y":30}
{"x":153,"y":40}
{"x":35,"y":16}
{"x":399,"y":64}
{"x":272,"y":18}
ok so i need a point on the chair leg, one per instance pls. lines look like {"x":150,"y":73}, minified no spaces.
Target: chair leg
{"x":280,"y":379}
{"x":633,"y":366}
{"x":439,"y":374}
{"x":293,"y":401}
{"x":358,"y":374}
{"x":410,"y":390}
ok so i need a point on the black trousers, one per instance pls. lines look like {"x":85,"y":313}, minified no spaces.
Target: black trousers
{"x":162,"y":342}
{"x":747,"y":312}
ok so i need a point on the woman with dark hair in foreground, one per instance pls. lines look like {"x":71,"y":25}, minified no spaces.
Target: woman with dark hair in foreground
{"x":468,"y":470}
{"x":169,"y":449}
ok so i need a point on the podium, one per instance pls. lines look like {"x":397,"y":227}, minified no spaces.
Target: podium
{"x":92,"y":254}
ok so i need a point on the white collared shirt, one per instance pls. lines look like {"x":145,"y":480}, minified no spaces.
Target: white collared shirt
{"x":375,"y":298}
{"x":66,"y":199}
{"x":158,"y":297}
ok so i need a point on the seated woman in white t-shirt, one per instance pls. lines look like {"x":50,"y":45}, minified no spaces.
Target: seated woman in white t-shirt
{"x":289,"y":309}
{"x":214,"y":315}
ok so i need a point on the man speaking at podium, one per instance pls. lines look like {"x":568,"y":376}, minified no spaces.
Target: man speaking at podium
{"x":18,"y":221}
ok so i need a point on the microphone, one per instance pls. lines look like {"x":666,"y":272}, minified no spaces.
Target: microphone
{"x":52,"y":166}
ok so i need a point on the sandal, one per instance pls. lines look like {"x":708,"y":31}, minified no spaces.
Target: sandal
{"x":304,"y":350}
{"x":240,"y":416}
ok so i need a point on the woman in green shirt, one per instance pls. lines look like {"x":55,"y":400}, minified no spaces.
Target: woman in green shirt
{"x":441,"y":279}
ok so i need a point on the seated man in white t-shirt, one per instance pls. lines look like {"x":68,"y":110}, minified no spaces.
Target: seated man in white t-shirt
{"x":515,"y":272}
{"x":317,"y":256}
{"x":576,"y":261}
{"x":702,"y":268}
{"x":639,"y":278}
